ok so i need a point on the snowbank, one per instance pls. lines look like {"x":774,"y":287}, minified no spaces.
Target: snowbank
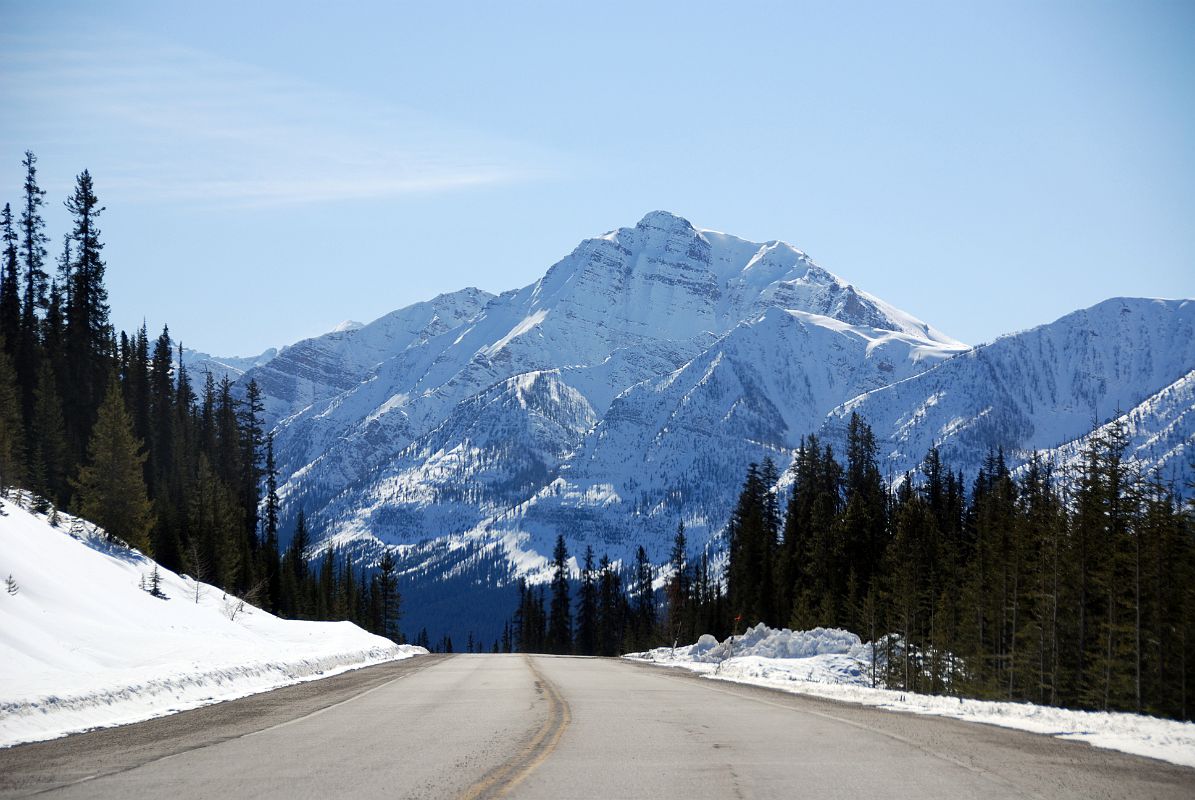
{"x":83,"y":645}
{"x":835,"y":664}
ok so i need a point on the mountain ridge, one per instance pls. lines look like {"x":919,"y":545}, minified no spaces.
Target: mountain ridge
{"x":626,"y":390}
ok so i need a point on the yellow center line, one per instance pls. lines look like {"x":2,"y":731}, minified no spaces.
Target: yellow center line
{"x":500,"y":781}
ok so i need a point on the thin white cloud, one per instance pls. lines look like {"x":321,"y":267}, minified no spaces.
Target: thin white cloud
{"x":176,"y":124}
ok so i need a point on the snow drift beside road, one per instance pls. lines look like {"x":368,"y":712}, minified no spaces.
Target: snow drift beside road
{"x":83,"y":646}
{"x":835,"y":664}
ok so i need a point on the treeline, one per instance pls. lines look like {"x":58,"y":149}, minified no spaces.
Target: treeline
{"x":618,"y":611}
{"x":113,"y":427}
{"x":1012,"y":590}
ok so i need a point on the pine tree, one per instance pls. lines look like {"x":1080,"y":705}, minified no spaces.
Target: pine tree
{"x":10,"y":287}
{"x":87,"y":328}
{"x":863,"y":522}
{"x":679,"y":616}
{"x":111,"y":489}
{"x":12,"y":433}
{"x":270,"y":522}
{"x":32,"y":256}
{"x":587,"y":607}
{"x":214,"y":516}
{"x":50,"y":460}
{"x":645,"y":600}
{"x":560,"y":627}
{"x":389,"y":596}
{"x":161,"y":408}
{"x":252,"y":443}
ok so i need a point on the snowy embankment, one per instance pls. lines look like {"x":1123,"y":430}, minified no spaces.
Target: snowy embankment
{"x":83,"y":645}
{"x":835,"y":664}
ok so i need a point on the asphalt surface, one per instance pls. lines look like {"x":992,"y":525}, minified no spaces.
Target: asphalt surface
{"x":489,"y":726}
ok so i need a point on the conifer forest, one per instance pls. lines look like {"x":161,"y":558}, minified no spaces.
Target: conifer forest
{"x":1022,"y":587}
{"x":111,"y":426}
{"x":1070,"y":589}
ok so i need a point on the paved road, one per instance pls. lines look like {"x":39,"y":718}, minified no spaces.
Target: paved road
{"x":511,"y":726}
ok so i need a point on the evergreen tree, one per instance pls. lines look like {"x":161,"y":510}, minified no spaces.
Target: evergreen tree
{"x":87,"y":328}
{"x":161,"y":409}
{"x":752,"y":546}
{"x":612,"y":609}
{"x":679,"y":611}
{"x":10,"y":287}
{"x":270,"y":523}
{"x":645,"y":600}
{"x":389,"y":597}
{"x":32,"y":257}
{"x":252,"y":443}
{"x":111,"y":489}
{"x":863,"y":522}
{"x":587,"y":607}
{"x":560,"y":627}
{"x":50,"y":461}
{"x":12,"y":434}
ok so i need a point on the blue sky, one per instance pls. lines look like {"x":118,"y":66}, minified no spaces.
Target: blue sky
{"x":271,"y":169}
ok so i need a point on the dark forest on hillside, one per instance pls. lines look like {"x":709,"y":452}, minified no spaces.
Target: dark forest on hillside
{"x":1013,"y":590}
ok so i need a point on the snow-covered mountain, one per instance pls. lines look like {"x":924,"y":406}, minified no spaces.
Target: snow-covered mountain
{"x":221,"y":367}
{"x":1161,"y":437}
{"x":631,"y":384}
{"x":1043,"y":388}
{"x":379,"y":427}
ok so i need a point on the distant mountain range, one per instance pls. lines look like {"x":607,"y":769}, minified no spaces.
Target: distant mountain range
{"x":628,"y":388}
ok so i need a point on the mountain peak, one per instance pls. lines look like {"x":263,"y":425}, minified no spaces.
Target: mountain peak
{"x":664,"y":220}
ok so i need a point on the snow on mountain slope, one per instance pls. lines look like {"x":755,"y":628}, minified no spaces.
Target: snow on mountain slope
{"x":1033,"y":390}
{"x":493,"y":451}
{"x":317,"y":369}
{"x":680,"y":444}
{"x":632,"y":305}
{"x":1161,"y":437}
{"x":231,"y":367}
{"x":636,"y":379}
{"x":82,"y":645}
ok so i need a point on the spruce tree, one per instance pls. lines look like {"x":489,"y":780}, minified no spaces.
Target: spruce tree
{"x":161,"y":408}
{"x":270,"y":523}
{"x":679,"y":619}
{"x":611,"y":609}
{"x":50,"y":460}
{"x":12,"y":432}
{"x":32,"y":256}
{"x":560,"y":627}
{"x":87,"y":326}
{"x":587,"y":607}
{"x":111,"y":489}
{"x":389,"y":597}
{"x":252,"y":446}
{"x":645,"y":600}
{"x":10,"y":287}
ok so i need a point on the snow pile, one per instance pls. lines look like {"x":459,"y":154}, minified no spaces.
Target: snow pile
{"x":84,"y":645}
{"x":770,"y":643}
{"x":836,"y":665}
{"x":821,"y":655}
